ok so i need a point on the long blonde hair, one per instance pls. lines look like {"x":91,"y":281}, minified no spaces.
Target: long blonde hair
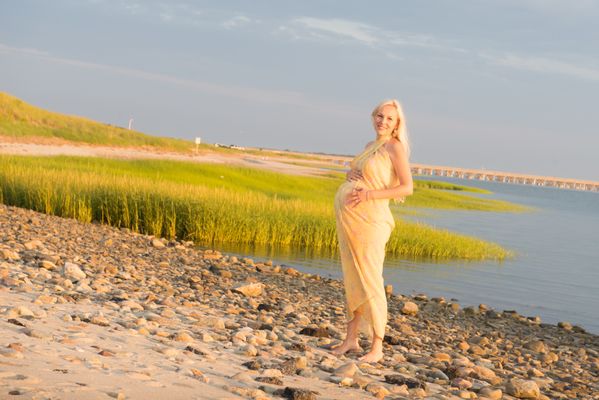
{"x":401,"y":131}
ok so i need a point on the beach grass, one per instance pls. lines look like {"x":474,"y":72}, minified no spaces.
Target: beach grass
{"x":19,"y":120}
{"x":208,"y":203}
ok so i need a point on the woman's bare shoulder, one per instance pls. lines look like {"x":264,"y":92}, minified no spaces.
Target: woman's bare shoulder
{"x":395,"y":147}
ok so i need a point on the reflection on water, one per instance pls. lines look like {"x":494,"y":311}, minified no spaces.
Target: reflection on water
{"x":555,"y":273}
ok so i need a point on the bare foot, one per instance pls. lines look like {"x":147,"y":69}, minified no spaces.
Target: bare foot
{"x":346,"y":347}
{"x":372,"y":356}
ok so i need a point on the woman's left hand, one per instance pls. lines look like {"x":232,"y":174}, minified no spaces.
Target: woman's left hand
{"x":357,"y":196}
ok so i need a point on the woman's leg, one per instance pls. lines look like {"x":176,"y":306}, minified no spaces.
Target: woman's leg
{"x":351,"y":338}
{"x":376,"y":350}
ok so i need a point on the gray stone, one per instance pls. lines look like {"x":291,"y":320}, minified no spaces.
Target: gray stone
{"x":72,"y":271}
{"x":347,"y":370}
{"x":523,"y":389}
{"x":409,"y":308}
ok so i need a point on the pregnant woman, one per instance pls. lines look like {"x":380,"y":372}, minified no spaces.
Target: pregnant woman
{"x":364,"y":224}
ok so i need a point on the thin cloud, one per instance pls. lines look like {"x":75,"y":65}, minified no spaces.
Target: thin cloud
{"x":164,"y":12}
{"x":545,"y":65}
{"x":23,"y":50}
{"x":341,"y":28}
{"x":236,"y":22}
{"x":345,"y":31}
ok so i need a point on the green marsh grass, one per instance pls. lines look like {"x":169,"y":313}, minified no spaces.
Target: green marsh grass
{"x":427,"y":184}
{"x":208,"y":203}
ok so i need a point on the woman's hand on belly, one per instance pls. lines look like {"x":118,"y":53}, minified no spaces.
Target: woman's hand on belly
{"x":353,"y":175}
{"x":358,"y":195}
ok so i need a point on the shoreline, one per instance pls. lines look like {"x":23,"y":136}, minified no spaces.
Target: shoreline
{"x":90,"y":311}
{"x":461,"y":299}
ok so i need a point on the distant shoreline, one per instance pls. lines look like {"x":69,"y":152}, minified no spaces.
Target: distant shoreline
{"x":274,"y":160}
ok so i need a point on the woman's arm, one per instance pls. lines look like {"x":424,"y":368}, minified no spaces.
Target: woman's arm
{"x":398,"y":157}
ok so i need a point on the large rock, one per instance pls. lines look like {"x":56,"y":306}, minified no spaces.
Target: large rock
{"x":523,"y":389}
{"x":347,"y":370}
{"x":71,"y":270}
{"x":491,"y":393}
{"x":537,"y":346}
{"x":485,"y":374}
{"x":157,"y":244}
{"x":250,"y":290}
{"x":409,"y":308}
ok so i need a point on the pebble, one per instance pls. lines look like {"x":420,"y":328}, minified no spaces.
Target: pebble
{"x":567,"y":326}
{"x":298,"y":394}
{"x":377,"y":390}
{"x":72,"y":271}
{"x":23,"y":312}
{"x":485,"y":374}
{"x":199,"y":375}
{"x":346,"y":370}
{"x":250,"y":290}
{"x":100,"y":320}
{"x":523,"y":389}
{"x":157,"y":244}
{"x":491,"y":393}
{"x":49,"y":265}
{"x":34,"y":333}
{"x":183,"y":336}
{"x":461,"y":383}
{"x":45,"y":299}
{"x":442,"y":357}
{"x":11,"y":353}
{"x":249,"y":351}
{"x":537,"y":346}
{"x":409,"y":308}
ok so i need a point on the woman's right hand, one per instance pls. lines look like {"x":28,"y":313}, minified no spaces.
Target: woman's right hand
{"x":353,"y":175}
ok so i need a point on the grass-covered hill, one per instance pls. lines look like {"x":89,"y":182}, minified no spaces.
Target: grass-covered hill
{"x":23,"y":121}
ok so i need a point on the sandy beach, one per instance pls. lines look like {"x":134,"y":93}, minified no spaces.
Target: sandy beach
{"x":55,"y":147}
{"x":92,"y":312}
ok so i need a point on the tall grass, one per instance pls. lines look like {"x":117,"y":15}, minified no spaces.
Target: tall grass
{"x":207,"y":204}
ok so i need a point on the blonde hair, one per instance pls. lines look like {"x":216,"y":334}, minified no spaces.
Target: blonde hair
{"x":400,"y":132}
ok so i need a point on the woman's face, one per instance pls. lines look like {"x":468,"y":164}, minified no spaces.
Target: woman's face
{"x":385,"y":120}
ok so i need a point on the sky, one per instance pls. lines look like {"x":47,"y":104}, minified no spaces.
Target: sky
{"x":508,"y":85}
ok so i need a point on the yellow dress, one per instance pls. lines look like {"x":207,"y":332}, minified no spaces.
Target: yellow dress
{"x":363,"y":232}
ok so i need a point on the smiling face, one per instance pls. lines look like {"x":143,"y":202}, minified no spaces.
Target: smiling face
{"x":385,"y":120}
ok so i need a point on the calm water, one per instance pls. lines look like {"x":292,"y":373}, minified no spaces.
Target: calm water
{"x":554,"y":275}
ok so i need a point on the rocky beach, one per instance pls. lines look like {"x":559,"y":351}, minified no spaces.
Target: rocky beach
{"x":88,"y":311}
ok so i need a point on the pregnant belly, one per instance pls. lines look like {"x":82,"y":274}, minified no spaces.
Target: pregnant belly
{"x":343,"y":191}
{"x":373,"y":212}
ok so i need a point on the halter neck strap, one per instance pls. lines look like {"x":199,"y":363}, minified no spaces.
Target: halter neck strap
{"x":359,"y":161}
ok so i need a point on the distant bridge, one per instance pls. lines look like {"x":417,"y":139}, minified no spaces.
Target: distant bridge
{"x":480,"y":174}
{"x":505,"y":177}
{"x":491,"y":176}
